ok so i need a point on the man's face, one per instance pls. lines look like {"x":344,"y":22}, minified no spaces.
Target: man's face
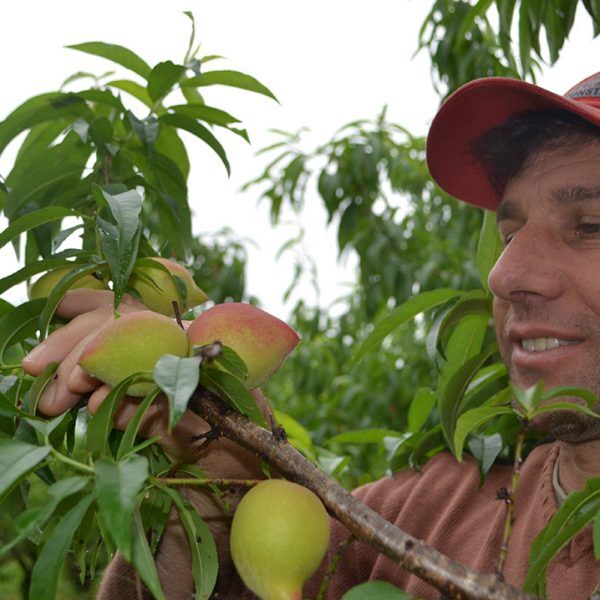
{"x":547,"y":282}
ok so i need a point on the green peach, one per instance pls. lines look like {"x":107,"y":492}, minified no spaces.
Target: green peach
{"x":261,"y":340}
{"x":279,"y":536}
{"x":134,"y":342}
{"x":43,"y":286}
{"x":160,"y":300}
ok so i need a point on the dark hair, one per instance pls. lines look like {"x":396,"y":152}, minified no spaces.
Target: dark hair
{"x":511,"y":147}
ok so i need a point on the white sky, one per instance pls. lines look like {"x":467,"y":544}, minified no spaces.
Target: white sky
{"x":328,"y":61}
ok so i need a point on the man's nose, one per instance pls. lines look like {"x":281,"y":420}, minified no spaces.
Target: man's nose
{"x":528,"y":268}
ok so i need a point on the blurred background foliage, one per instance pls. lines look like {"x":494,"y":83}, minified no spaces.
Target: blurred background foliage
{"x":409,"y":236}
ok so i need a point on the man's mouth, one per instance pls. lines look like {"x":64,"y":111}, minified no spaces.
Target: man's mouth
{"x":541,"y":344}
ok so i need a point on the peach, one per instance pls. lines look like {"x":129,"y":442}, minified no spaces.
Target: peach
{"x":279,"y":536}
{"x":261,"y":340}
{"x":159,"y":297}
{"x":132,"y":343}
{"x":42,"y":287}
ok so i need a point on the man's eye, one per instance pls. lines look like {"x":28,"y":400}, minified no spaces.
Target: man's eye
{"x":587,"y":230}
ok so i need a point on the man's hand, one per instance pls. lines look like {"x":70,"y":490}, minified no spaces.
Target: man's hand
{"x":90,"y":311}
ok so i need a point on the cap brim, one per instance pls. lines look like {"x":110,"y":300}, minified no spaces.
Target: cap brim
{"x":473,"y":110}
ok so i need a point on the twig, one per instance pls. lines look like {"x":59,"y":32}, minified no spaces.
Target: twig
{"x":508,"y":496}
{"x":332,"y":565}
{"x":448,"y":576}
{"x":208,"y":481}
{"x":177,"y":313}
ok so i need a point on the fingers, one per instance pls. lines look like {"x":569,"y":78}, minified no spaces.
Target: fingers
{"x":57,"y":397}
{"x":82,"y":300}
{"x":62,"y":341}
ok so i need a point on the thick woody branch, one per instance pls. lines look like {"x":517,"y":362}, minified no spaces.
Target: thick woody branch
{"x":451,"y":578}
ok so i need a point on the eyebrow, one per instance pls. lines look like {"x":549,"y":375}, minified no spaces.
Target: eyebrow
{"x":563,"y":196}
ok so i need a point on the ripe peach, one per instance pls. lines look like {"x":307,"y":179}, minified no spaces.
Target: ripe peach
{"x":261,"y":340}
{"x":134,"y":342}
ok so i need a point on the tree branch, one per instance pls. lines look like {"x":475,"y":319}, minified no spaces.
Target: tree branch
{"x":451,"y":578}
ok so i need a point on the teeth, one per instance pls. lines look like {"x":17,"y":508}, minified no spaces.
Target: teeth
{"x":541,"y":344}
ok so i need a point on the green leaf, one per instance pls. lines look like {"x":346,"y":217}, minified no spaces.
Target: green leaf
{"x":142,"y":558}
{"x":362,"y":436}
{"x":118,"y":485}
{"x":400,"y":315}
{"x":530,"y":397}
{"x":558,"y":392}
{"x":232,"y":362}
{"x":34,"y":519}
{"x":205,"y":564}
{"x":596,"y":536}
{"x":178,"y":378}
{"x":19,"y":324}
{"x":472,"y":420}
{"x":37,"y":183}
{"x":450,"y":402}
{"x":162,"y":78}
{"x":120,"y":244}
{"x":117,"y":54}
{"x":101,"y":424}
{"x":65,"y":283}
{"x":133,"y":89}
{"x":38,"y":386}
{"x":376,"y":590}
{"x":44,"y":577}
{"x":232,"y":390}
{"x":191,"y":125}
{"x":232,"y":79}
{"x":147,"y":131}
{"x":216,"y":116}
{"x":485,"y":449}
{"x":468,"y":305}
{"x":127,"y":441}
{"x":8,"y":409}
{"x":39,"y":109}
{"x":16,"y":460}
{"x":33,"y":219}
{"x":575,"y":513}
{"x":563,"y":406}
{"x":420,"y":408}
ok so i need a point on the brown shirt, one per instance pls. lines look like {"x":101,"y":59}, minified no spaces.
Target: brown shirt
{"x":442,"y":504}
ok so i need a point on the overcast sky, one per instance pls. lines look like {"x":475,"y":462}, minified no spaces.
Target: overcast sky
{"x":328,"y":62}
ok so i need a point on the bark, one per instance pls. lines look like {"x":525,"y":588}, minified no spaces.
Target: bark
{"x":451,"y":578}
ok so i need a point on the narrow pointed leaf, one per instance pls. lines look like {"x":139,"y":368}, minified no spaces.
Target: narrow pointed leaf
{"x":34,"y":519}
{"x":16,"y":460}
{"x":232,"y":390}
{"x":162,"y":78}
{"x":232,"y":79}
{"x":191,"y":125}
{"x":33,"y":219}
{"x":118,"y":485}
{"x":44,"y":577}
{"x":473,"y":419}
{"x":117,"y":54}
{"x":142,"y":558}
{"x":400,"y":315}
{"x":205,"y":564}
{"x":128,"y":440}
{"x":178,"y":378}
{"x":19,"y":324}
{"x":120,"y":244}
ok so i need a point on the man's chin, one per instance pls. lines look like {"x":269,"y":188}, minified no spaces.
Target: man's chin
{"x":568,"y":426}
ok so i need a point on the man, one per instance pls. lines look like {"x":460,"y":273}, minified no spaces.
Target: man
{"x":535,"y":157}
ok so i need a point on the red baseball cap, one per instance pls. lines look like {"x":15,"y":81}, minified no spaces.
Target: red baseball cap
{"x":477,"y":107}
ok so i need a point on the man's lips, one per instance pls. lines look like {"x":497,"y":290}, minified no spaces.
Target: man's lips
{"x":542,"y":348}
